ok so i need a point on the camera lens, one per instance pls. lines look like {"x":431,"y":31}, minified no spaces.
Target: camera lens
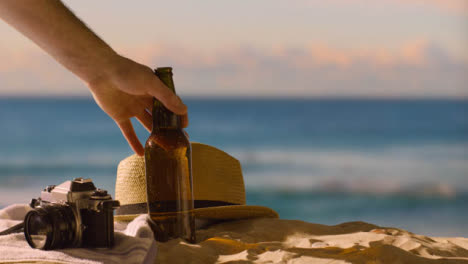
{"x":50,"y":227}
{"x":39,"y":228}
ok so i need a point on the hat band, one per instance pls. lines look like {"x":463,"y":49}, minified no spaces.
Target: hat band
{"x":142,"y":208}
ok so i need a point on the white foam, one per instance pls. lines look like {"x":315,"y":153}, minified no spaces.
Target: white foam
{"x":427,"y":169}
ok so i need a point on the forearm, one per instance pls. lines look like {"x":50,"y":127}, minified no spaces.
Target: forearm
{"x":53,"y":27}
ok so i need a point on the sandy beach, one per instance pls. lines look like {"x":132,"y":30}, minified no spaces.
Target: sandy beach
{"x":260,"y":240}
{"x":292,"y":241}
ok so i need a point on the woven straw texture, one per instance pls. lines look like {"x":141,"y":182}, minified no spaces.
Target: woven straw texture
{"x":217,"y":176}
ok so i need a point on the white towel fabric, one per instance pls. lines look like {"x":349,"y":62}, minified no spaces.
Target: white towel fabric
{"x":134,"y":243}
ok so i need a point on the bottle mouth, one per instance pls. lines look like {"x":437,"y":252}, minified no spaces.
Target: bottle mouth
{"x":163,"y":70}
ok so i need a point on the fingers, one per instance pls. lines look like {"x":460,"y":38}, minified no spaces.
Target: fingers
{"x":184,"y":120}
{"x":129,"y":133}
{"x":148,"y":104}
{"x":170,"y":100}
{"x":146,"y":119}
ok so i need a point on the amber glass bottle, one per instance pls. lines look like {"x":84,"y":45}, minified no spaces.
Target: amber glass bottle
{"x":168,"y":161}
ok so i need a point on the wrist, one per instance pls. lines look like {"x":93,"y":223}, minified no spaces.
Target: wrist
{"x":106,"y":64}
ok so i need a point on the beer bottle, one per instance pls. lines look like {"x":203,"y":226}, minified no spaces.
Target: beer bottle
{"x":168,"y":165}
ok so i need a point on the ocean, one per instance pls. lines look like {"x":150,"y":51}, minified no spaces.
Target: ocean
{"x":392,"y":162}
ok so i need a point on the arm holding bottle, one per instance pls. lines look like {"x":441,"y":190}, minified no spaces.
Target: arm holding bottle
{"x":121,"y":87}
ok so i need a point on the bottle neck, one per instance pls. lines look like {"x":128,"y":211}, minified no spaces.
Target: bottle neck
{"x":164,"y":118}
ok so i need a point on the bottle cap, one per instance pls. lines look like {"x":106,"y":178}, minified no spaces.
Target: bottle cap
{"x":164,"y":70}
{"x":165,"y":75}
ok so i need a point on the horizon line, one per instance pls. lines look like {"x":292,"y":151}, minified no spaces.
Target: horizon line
{"x":253,"y":97}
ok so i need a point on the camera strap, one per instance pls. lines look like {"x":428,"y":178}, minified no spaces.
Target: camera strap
{"x":14,"y":229}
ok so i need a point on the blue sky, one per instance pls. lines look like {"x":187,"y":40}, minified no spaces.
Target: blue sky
{"x":303,"y":48}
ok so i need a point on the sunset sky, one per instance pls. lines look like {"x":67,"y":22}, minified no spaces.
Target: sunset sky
{"x":266,"y":48}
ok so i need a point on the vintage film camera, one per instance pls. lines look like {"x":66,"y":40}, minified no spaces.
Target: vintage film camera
{"x":72,"y":214}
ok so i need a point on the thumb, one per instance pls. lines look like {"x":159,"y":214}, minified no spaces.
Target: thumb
{"x":169,"y":99}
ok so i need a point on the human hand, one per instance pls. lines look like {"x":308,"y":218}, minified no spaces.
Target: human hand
{"x":121,"y":87}
{"x":126,"y":90}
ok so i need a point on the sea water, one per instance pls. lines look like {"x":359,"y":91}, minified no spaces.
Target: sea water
{"x":400,"y":163}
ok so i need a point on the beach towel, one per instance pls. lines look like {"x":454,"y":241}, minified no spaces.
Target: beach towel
{"x":134,"y":243}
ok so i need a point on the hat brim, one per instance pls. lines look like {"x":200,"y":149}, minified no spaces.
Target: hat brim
{"x":230,"y":212}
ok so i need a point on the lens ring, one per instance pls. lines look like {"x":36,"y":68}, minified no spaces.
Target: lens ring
{"x":38,"y":229}
{"x":52,"y":226}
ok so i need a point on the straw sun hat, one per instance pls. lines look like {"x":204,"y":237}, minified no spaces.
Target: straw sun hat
{"x":218,"y":187}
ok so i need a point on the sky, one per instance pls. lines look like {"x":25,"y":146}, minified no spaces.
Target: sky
{"x":266,"y":48}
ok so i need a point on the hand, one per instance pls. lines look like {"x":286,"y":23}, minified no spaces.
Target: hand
{"x":126,"y":90}
{"x":121,"y":87}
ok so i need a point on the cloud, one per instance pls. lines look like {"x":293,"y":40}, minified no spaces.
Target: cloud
{"x":416,"y":69}
{"x":33,"y":72}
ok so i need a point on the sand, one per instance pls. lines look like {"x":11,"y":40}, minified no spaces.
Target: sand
{"x":291,"y":241}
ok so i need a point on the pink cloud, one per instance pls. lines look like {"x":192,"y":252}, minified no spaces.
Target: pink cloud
{"x":417,"y":68}
{"x":33,"y":72}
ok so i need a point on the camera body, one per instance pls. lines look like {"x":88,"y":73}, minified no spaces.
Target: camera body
{"x":72,"y":214}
